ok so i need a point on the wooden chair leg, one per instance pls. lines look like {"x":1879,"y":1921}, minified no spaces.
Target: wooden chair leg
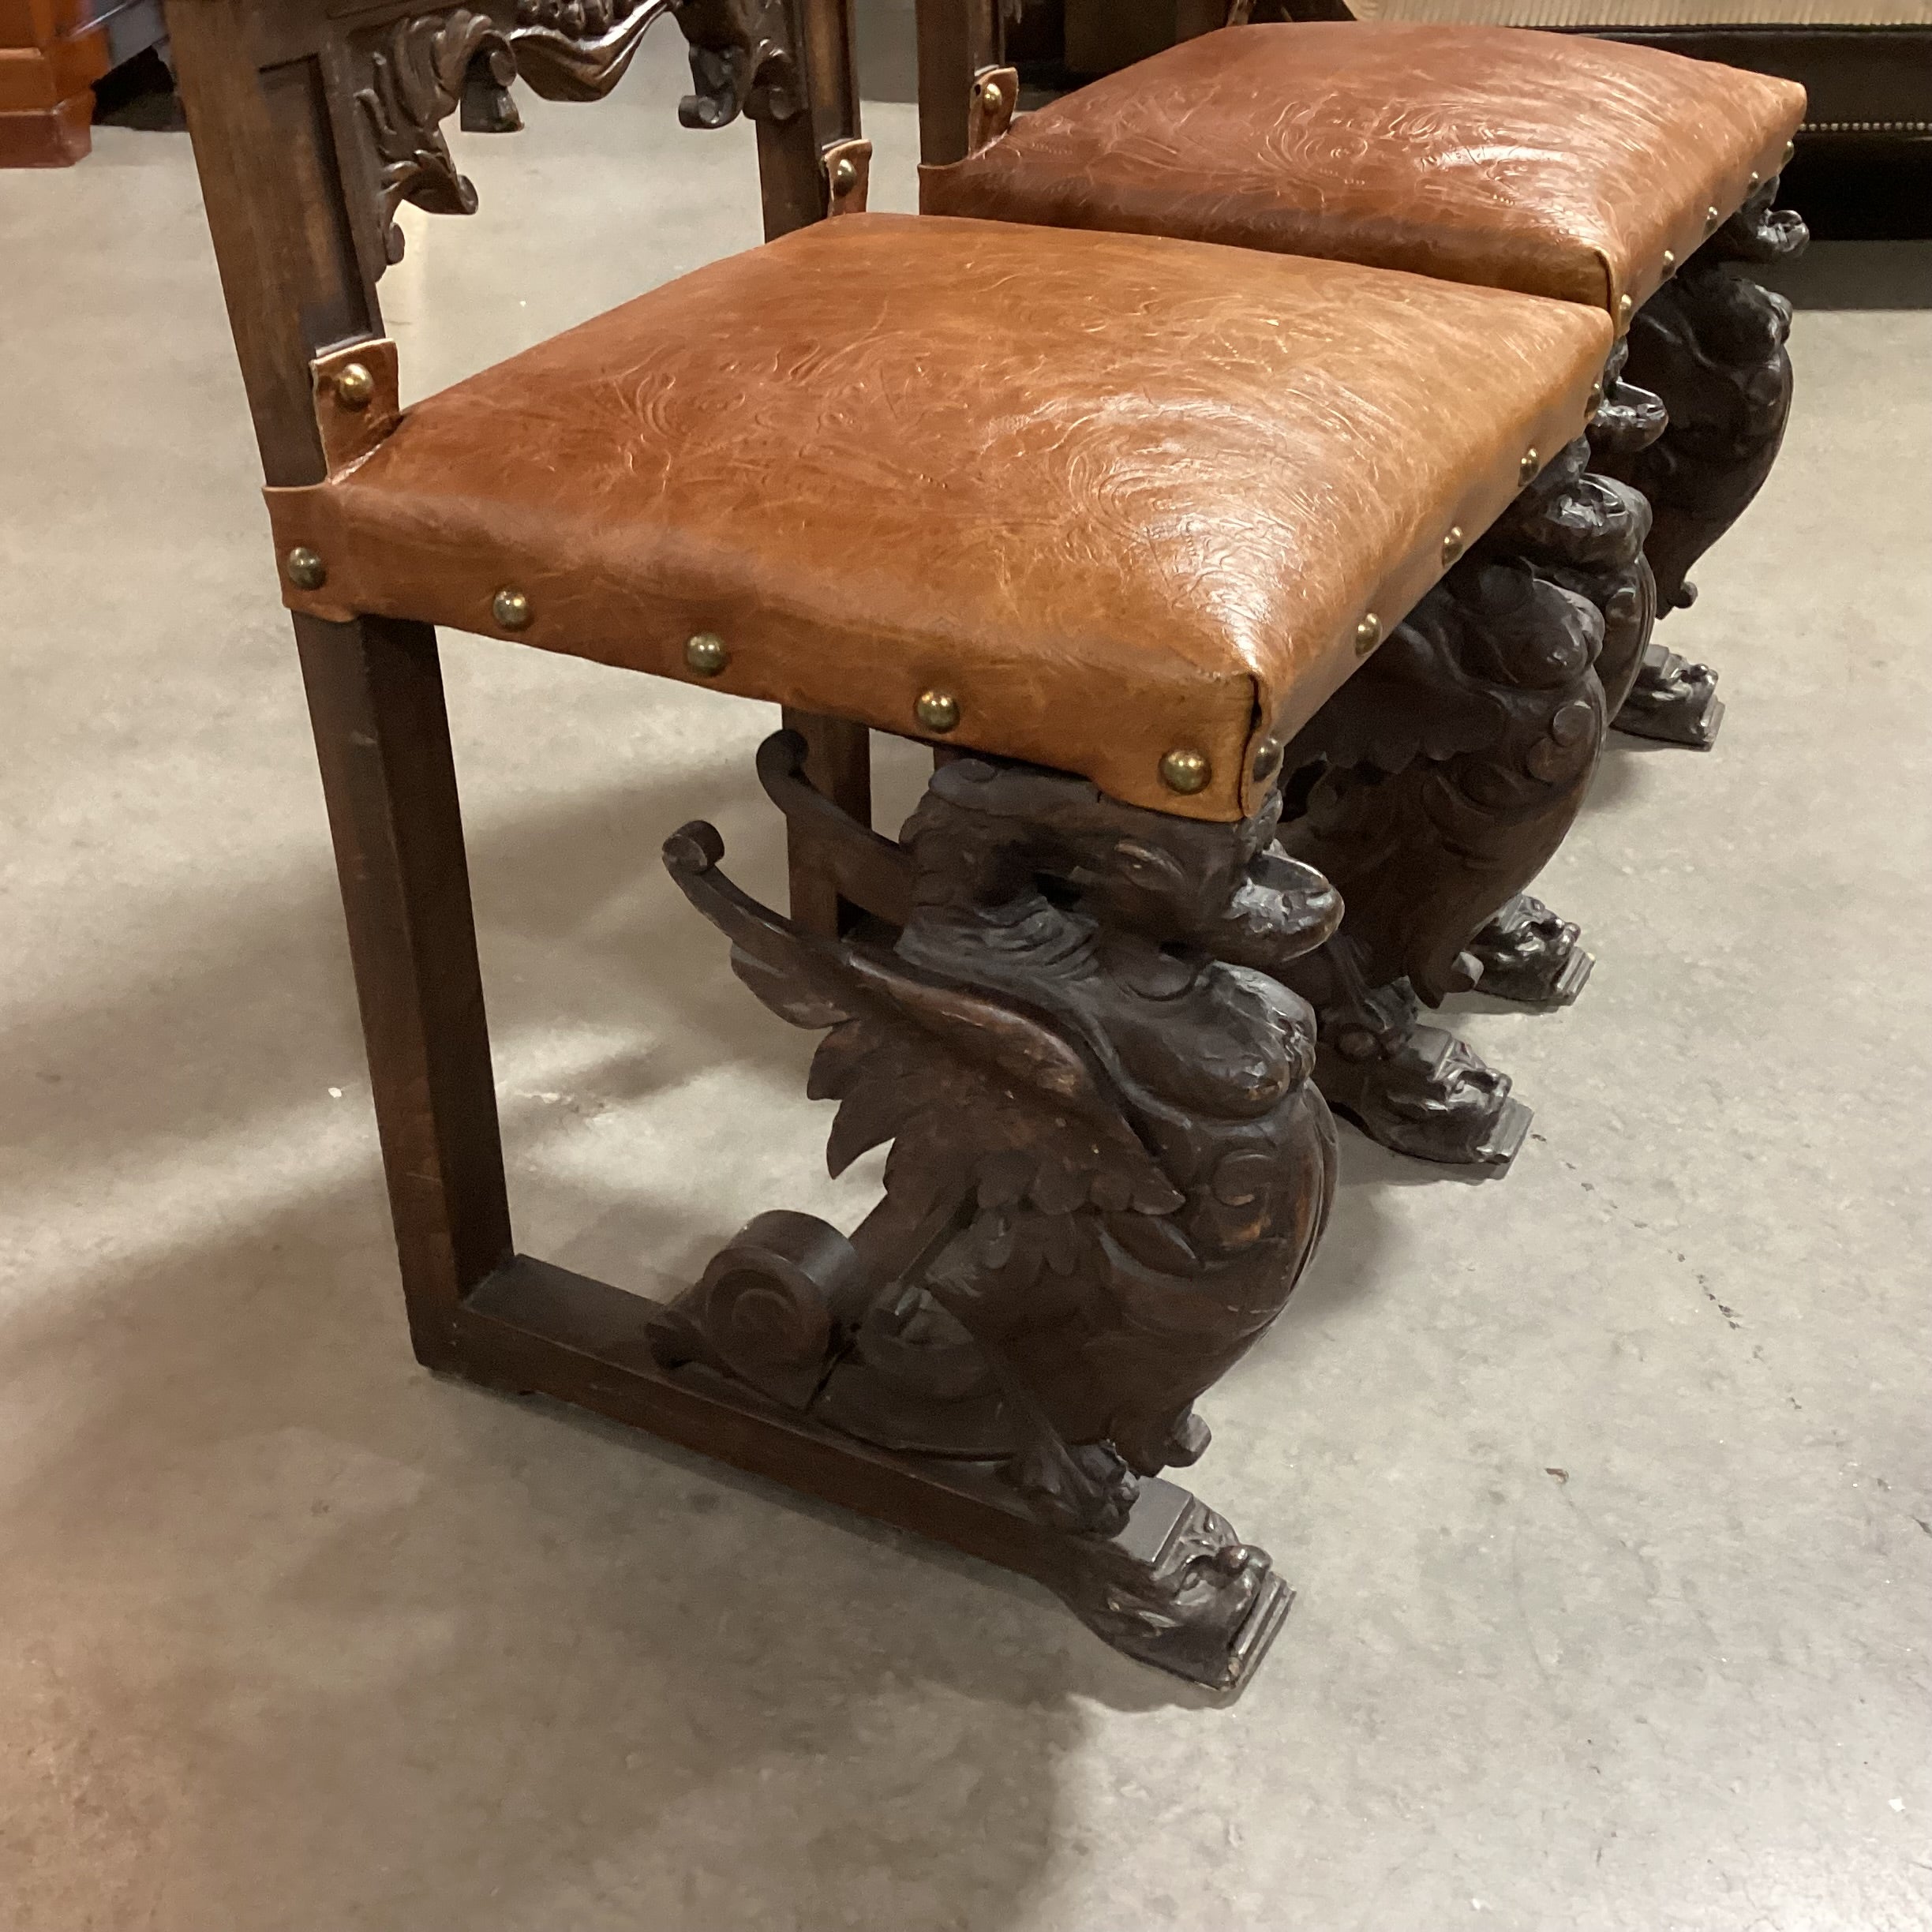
{"x":1711,"y":343}
{"x":1436,"y":784}
{"x":838,"y":764}
{"x":375,"y":691}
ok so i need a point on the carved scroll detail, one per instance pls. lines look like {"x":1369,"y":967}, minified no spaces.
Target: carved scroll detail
{"x":423,"y":69}
{"x":416,"y":80}
{"x":1108,"y":1168}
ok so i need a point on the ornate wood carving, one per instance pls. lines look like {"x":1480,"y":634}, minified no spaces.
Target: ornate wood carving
{"x":417,"y":78}
{"x":422,"y":68}
{"x":1437,"y":782}
{"x":1108,"y":1169}
{"x":1712,"y":344}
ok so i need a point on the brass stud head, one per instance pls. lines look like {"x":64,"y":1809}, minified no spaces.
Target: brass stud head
{"x":844,"y":175}
{"x":1624,"y":305}
{"x":991,"y":95}
{"x":1756,"y":180}
{"x":1185,"y":772}
{"x":1596,"y":396}
{"x":511,"y":609}
{"x":705,"y":654}
{"x":1791,"y":148}
{"x":355,"y":387}
{"x":1669,"y":259}
{"x":1452,"y":543}
{"x":1526,"y":470}
{"x":306,"y":571}
{"x":938,"y":711}
{"x":1367,"y":634}
{"x":1712,"y":217}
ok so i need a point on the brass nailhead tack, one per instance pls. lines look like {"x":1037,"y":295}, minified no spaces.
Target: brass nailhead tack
{"x":1712,"y":218}
{"x":705,"y":654}
{"x":511,"y":609}
{"x":939,"y":711}
{"x":990,"y":94}
{"x":1624,"y":308}
{"x":355,"y":387}
{"x":1185,"y":772}
{"x":306,"y":571}
{"x":844,"y":175}
{"x":1452,"y":543}
{"x":1526,"y":470}
{"x":1756,"y":178}
{"x":1670,"y":261}
{"x":1596,"y":397}
{"x":1791,"y":148}
{"x":1369,"y":632}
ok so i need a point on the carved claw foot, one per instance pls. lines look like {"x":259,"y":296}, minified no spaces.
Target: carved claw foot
{"x":1530,"y":955}
{"x":1673,"y":700}
{"x":1178,"y":1590}
{"x":1416,"y":1089}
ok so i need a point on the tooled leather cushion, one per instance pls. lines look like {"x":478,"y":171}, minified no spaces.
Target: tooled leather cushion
{"x":1116,"y":496}
{"x":1555,"y":164}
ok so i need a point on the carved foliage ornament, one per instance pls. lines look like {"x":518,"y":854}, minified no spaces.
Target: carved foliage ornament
{"x":420,"y":69}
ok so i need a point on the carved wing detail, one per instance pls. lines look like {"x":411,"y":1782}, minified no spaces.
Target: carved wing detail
{"x":975,"y":1093}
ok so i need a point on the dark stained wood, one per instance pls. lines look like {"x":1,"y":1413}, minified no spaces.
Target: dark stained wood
{"x":382,"y":736}
{"x":1436,"y":784}
{"x":1108,"y":1168}
{"x":1711,"y":343}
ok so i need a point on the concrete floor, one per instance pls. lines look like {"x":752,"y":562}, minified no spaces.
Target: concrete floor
{"x":1605,"y":1487}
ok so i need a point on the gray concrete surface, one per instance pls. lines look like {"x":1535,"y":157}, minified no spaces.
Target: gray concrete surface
{"x":1606,"y":1487}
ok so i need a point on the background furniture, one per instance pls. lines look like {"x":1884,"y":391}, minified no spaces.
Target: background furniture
{"x":51,"y":54}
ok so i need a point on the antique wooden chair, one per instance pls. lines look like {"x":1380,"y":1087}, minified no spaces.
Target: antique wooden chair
{"x":1112,"y":519}
{"x":1584,"y":169}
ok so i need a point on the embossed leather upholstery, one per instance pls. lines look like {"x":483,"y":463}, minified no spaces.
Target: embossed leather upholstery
{"x":1554,"y":164}
{"x":1117,"y":497}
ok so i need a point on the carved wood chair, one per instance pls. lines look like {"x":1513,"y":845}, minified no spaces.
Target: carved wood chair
{"x":1580,"y":169}
{"x":1106,"y":520}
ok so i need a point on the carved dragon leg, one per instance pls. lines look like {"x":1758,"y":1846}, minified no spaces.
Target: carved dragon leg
{"x":1584,"y":532}
{"x":1434,"y":786}
{"x":1109,"y":1166}
{"x":1711,"y":343}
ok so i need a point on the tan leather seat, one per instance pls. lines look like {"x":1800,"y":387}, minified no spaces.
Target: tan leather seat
{"x":1114,"y":497}
{"x":1552,"y":164}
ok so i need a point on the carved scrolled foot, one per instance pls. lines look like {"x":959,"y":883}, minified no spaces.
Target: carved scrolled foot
{"x":1108,"y":1168}
{"x":1673,"y":700}
{"x":1178,"y":1590}
{"x":1530,"y":955}
{"x":1415,"y":1089}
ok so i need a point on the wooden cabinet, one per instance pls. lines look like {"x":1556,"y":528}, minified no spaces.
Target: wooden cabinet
{"x":51,"y":53}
